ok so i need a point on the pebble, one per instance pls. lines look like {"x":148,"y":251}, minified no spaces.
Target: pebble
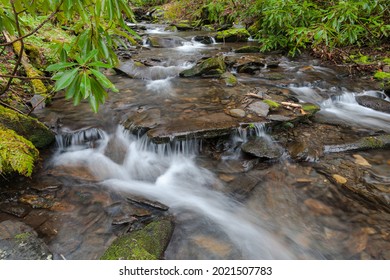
{"x":361,"y":160}
{"x":339,"y":179}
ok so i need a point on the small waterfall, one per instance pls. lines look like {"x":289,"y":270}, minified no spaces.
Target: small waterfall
{"x":84,"y":138}
{"x":167,"y":174}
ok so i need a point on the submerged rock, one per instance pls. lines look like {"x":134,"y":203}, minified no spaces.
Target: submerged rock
{"x":374,"y":103}
{"x":148,"y":243}
{"x":18,"y":241}
{"x":262,"y":148}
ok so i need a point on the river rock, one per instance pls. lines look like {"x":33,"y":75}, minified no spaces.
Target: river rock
{"x":249,"y":64}
{"x":207,"y":40}
{"x":318,"y":206}
{"x":259,"y":108}
{"x":148,"y":243}
{"x":165,"y":42}
{"x":248,"y":49}
{"x":262,"y":148}
{"x":28,"y":127}
{"x":230,"y":79}
{"x":18,"y":241}
{"x":237,"y":113}
{"x":210,"y":67}
{"x":233,"y":35}
{"x":374,"y":103}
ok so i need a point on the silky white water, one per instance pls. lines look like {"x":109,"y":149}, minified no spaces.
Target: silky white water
{"x":171,"y":176}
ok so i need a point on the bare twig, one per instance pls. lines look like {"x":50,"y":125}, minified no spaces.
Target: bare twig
{"x":10,"y":107}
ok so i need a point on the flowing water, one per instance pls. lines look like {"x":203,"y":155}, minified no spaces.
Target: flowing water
{"x":226,"y":205}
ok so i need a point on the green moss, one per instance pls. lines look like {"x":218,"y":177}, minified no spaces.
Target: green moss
{"x":233,"y":35}
{"x":22,"y":236}
{"x":28,"y":127}
{"x":230,"y":79}
{"x":310,"y":108}
{"x":17,"y":154}
{"x":379,"y":75}
{"x":148,"y":243}
{"x":361,"y":59}
{"x":372,"y":142}
{"x":387,"y":60}
{"x":272,"y":104}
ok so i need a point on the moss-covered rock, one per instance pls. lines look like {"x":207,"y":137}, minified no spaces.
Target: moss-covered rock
{"x":230,"y":79}
{"x":16,"y":153}
{"x":148,"y":243}
{"x":248,"y":49}
{"x":28,"y":127}
{"x":310,"y":108}
{"x":233,"y":35}
{"x":211,"y":67}
{"x":165,"y":42}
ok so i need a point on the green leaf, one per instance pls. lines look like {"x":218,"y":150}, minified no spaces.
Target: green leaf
{"x":59,"y":66}
{"x":66,"y":79}
{"x":94,"y":103}
{"x":90,"y":55}
{"x":100,"y":64}
{"x":73,"y":88}
{"x":103,"y":80}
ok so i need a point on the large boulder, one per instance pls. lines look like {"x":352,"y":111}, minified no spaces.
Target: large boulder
{"x":374,"y":103}
{"x":148,"y":243}
{"x":165,"y":42}
{"x":210,"y":67}
{"x":233,"y":35}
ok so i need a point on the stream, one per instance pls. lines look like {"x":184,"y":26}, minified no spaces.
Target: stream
{"x":225,"y":204}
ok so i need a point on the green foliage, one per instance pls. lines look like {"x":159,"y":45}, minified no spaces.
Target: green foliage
{"x":98,"y":28}
{"x":82,"y":79}
{"x":17,"y":154}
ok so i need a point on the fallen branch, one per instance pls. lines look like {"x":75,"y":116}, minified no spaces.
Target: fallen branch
{"x":254,"y":95}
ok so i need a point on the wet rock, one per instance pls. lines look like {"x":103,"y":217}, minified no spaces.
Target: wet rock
{"x":147,"y":202}
{"x":36,"y":201}
{"x":148,"y":243}
{"x":365,"y":143}
{"x":374,"y":103}
{"x":237,"y":113}
{"x":171,"y":28}
{"x":230,"y":79}
{"x":207,"y":40}
{"x":210,"y":67}
{"x":262,"y":148}
{"x":20,"y":242}
{"x":259,"y":108}
{"x":19,"y":211}
{"x":249,"y":64}
{"x":233,"y":35}
{"x":165,"y":42}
